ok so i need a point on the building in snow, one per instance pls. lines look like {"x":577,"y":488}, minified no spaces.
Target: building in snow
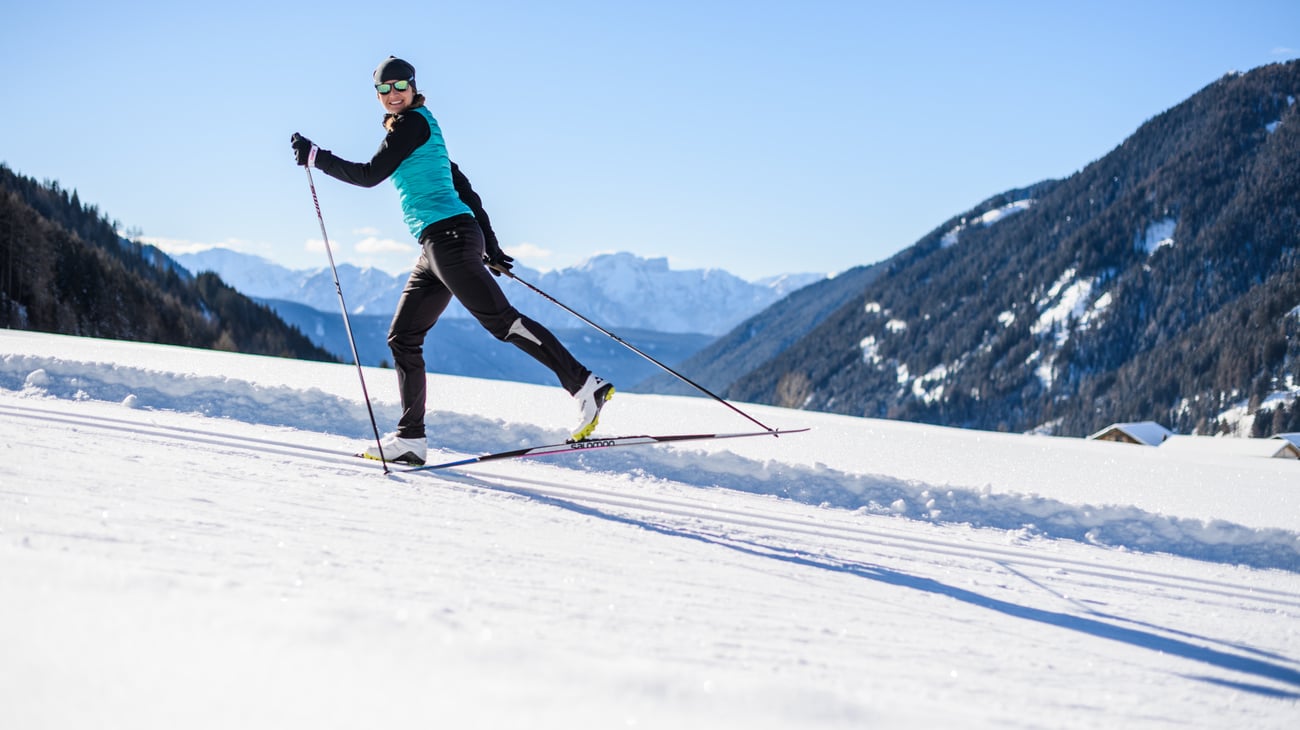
{"x":1143,"y":433}
{"x":1291,"y":438}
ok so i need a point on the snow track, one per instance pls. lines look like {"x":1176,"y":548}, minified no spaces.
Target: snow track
{"x":638,"y":500}
{"x":156,"y":564}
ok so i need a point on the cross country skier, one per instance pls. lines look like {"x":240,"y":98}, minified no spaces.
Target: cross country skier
{"x":456,"y":247}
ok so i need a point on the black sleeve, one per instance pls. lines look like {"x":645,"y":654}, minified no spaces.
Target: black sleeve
{"x":409,"y":132}
{"x":475,"y":203}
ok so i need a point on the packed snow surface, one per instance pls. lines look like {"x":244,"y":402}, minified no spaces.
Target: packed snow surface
{"x":186,"y":541}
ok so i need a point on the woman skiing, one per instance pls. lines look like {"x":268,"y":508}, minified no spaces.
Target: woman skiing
{"x":457,"y":245}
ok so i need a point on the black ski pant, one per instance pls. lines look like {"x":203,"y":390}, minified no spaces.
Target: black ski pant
{"x":451,"y":264}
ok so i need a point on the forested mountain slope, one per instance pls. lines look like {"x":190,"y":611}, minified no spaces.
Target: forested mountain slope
{"x":64,"y":269}
{"x":1160,"y":282}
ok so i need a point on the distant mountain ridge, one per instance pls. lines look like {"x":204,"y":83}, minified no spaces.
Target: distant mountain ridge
{"x":667,"y":314}
{"x":615,"y":290}
{"x":1161,"y":282}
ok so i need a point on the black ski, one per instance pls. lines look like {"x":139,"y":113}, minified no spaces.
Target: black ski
{"x":574,"y":447}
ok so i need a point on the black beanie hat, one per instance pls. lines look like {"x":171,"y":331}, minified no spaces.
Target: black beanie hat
{"x":394,"y":69}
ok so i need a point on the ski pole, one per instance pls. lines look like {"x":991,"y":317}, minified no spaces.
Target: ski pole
{"x":620,"y":341}
{"x":347,"y":325}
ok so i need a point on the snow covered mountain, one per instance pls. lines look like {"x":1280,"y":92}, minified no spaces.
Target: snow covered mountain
{"x":368,"y":290}
{"x":616,"y":290}
{"x":1158,"y":283}
{"x":186,"y":541}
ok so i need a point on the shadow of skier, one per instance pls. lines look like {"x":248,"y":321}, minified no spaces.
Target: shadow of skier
{"x":1094,"y":627}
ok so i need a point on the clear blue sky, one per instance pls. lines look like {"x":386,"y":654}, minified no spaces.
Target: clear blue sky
{"x":758,"y":137}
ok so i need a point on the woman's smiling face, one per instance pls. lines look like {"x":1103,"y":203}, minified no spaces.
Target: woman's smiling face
{"x":396,"y":100}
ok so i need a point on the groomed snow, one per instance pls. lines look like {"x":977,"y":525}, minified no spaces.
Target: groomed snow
{"x":184,"y":542}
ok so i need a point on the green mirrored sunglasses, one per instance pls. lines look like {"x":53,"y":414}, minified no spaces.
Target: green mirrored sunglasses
{"x":384,"y":88}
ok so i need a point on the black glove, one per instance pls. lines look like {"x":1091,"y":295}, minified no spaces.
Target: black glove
{"x":496,"y":259}
{"x":301,"y":148}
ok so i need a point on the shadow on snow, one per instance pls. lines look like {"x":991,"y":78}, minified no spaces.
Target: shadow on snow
{"x":1091,"y":626}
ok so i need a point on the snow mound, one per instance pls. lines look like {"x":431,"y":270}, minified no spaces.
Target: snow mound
{"x":311,"y":408}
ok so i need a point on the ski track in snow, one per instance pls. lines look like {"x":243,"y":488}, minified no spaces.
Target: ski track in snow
{"x":557,"y":491}
{"x":209,"y":554}
{"x":1122,"y":526}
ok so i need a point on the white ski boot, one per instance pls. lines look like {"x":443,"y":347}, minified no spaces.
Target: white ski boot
{"x":593,"y":396}
{"x":400,"y":450}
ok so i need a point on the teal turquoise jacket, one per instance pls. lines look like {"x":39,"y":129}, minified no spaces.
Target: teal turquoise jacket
{"x":430,"y":186}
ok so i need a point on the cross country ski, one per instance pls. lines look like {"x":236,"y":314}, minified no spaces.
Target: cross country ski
{"x":576,"y":447}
